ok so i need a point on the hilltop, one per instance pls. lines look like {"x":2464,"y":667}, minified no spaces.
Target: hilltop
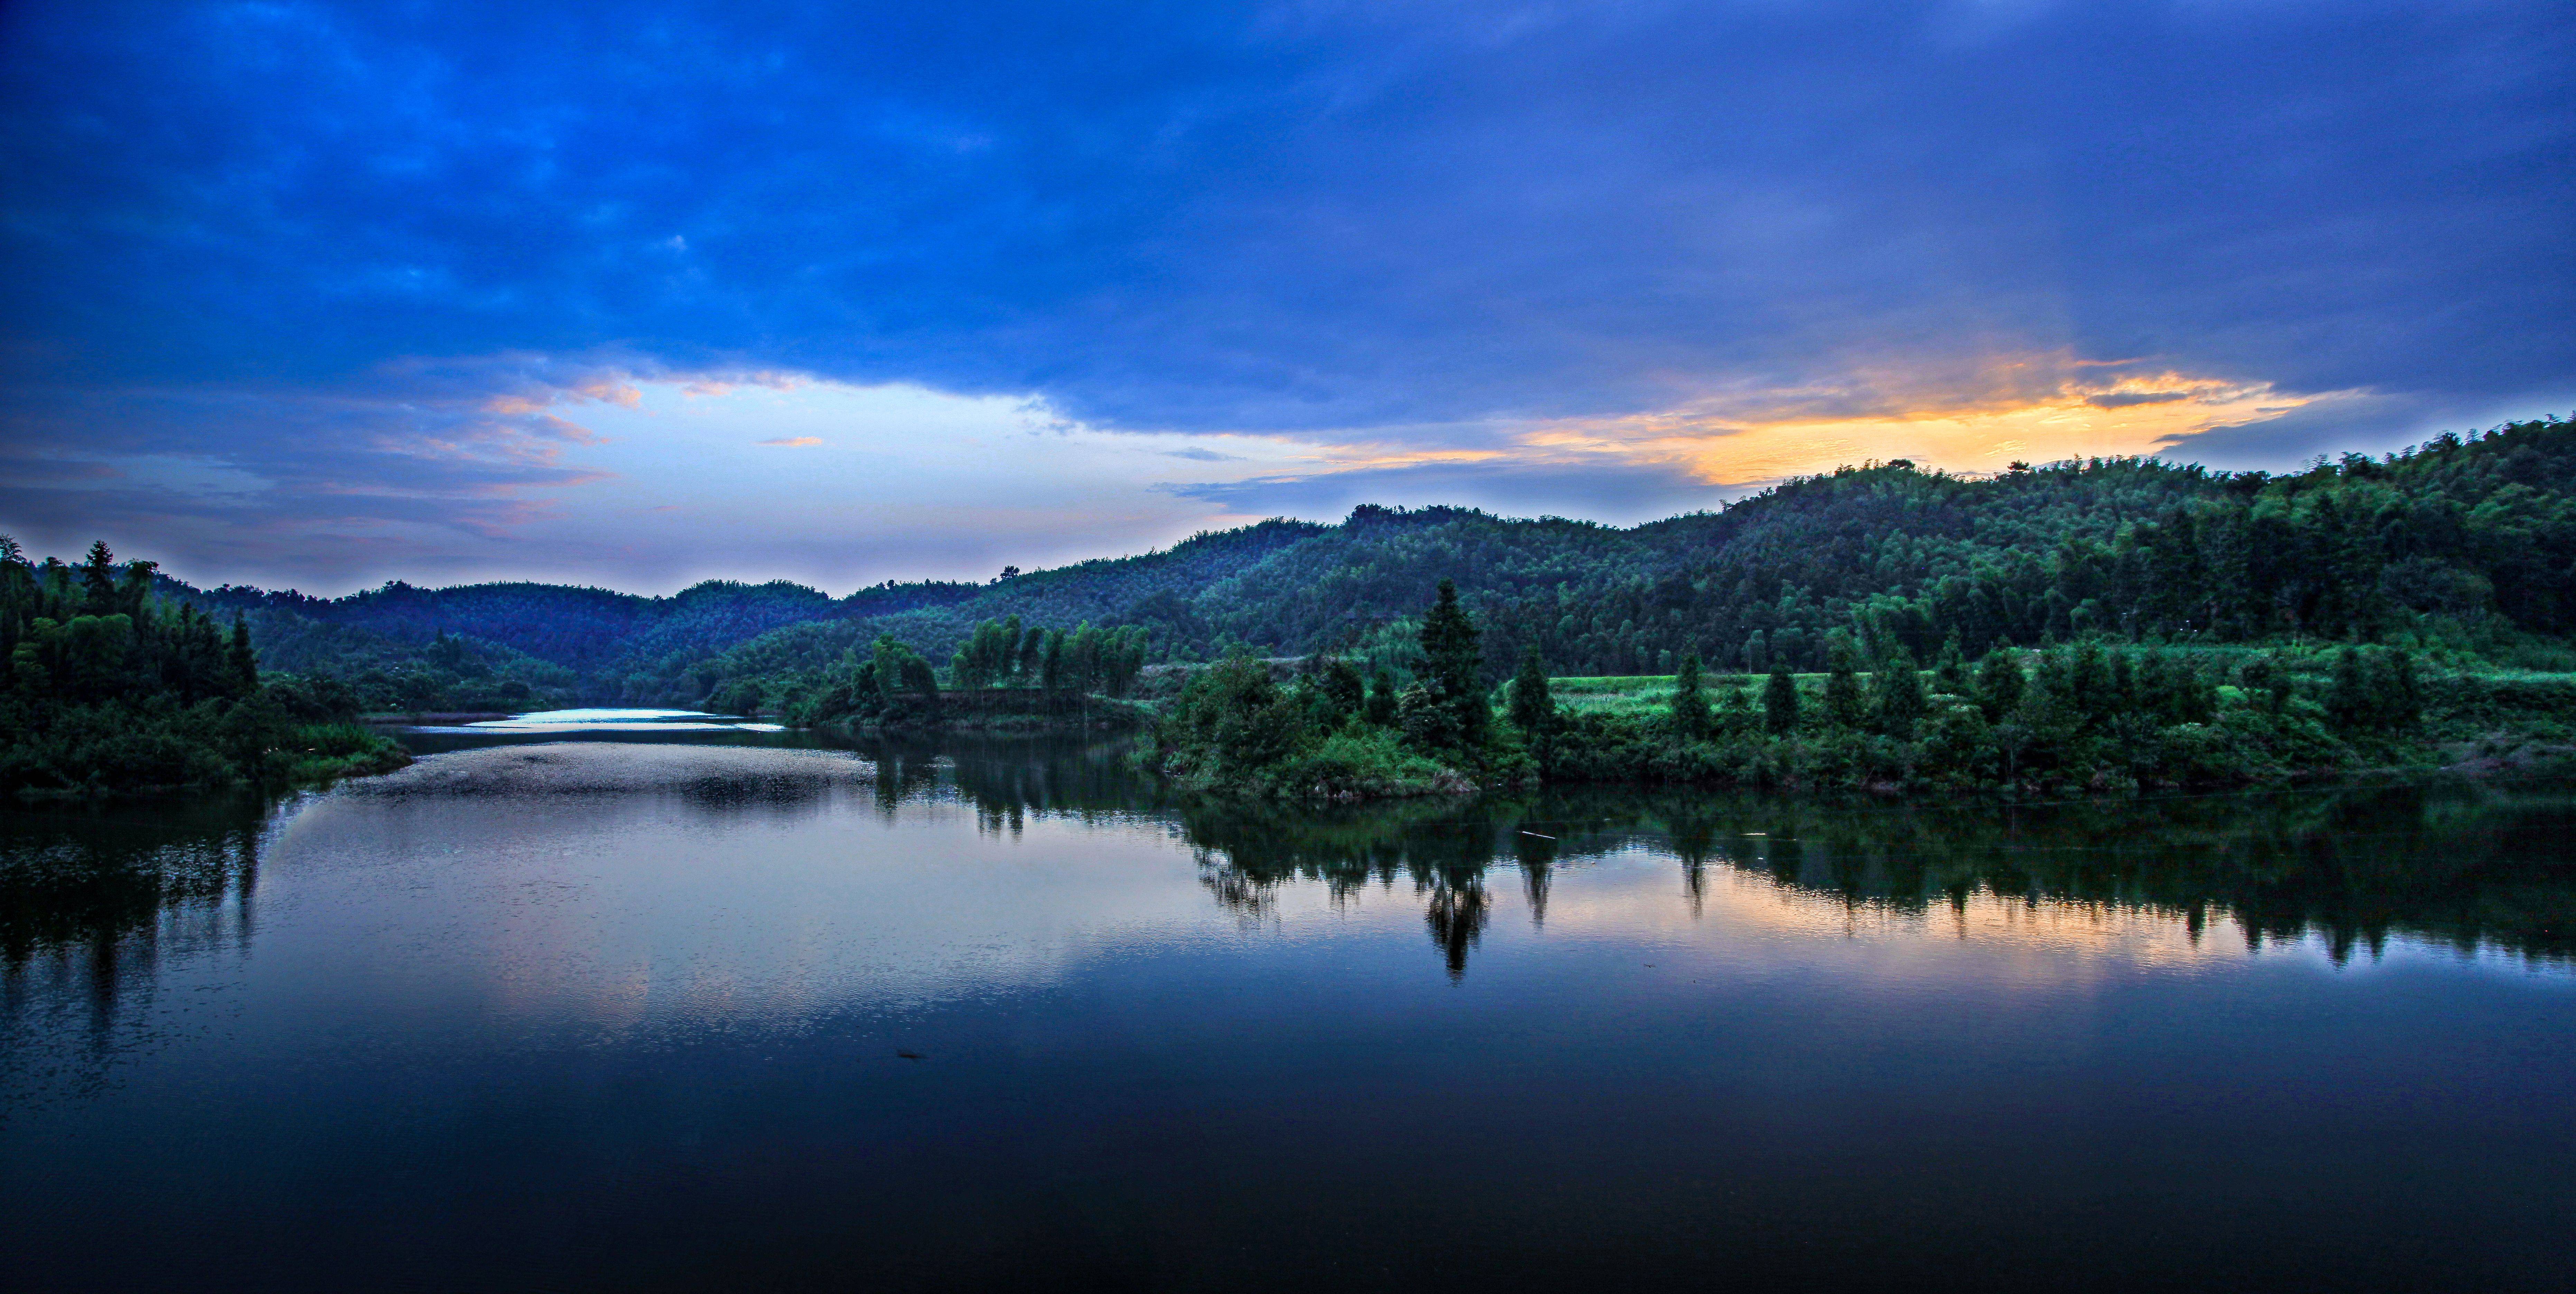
{"x":2466,"y":544}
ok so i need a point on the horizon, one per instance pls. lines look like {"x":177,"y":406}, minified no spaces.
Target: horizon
{"x":319,"y":296}
{"x":2314,"y":462}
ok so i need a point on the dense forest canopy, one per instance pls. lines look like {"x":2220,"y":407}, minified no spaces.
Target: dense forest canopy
{"x":2468,"y":542}
{"x":111,"y":688}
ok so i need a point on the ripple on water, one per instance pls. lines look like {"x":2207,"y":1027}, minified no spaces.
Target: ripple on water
{"x":591,"y":767}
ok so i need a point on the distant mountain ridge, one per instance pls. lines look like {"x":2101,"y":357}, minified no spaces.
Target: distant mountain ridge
{"x":2473,"y":538}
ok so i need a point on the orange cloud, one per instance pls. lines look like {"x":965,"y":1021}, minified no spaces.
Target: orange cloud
{"x":1999,"y":416}
{"x":793,"y":442}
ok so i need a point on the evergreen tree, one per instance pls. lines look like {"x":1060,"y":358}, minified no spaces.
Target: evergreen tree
{"x":1082,"y":658}
{"x":2155,"y":691}
{"x":1844,"y":707}
{"x":1453,"y":667}
{"x":240,"y":661}
{"x":1533,"y":709}
{"x":1780,"y":701}
{"x":98,"y":581}
{"x":2086,"y":689}
{"x":1898,"y":702}
{"x":1999,"y":684}
{"x":1950,"y":672}
{"x":2401,"y":693}
{"x":1757,"y":654}
{"x":1382,"y":698}
{"x":1690,"y":704}
{"x":1345,"y":693}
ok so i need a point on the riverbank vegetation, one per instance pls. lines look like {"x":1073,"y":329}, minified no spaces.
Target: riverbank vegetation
{"x":111,"y":690}
{"x":2098,"y":714}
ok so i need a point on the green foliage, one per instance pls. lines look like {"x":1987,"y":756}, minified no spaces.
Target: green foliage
{"x":1382,"y":699}
{"x":1235,"y":728}
{"x":2374,"y":693}
{"x":1780,"y":702}
{"x":1897,"y":702}
{"x":1533,"y":709}
{"x":1690,"y":703}
{"x":1999,"y":684}
{"x":1844,"y":707}
{"x":109,"y":690}
{"x":1341,"y":690}
{"x":1452,"y":713}
{"x":2457,"y":549}
{"x":1950,"y":671}
{"x":2087,"y":717}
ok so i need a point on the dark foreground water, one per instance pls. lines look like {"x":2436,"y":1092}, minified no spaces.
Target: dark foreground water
{"x":721,"y":1009}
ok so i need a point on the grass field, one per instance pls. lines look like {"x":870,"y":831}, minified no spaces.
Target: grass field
{"x":1649,"y":693}
{"x":2457,"y":701}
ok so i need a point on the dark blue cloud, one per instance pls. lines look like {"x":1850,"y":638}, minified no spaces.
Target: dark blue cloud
{"x":1172,"y":216}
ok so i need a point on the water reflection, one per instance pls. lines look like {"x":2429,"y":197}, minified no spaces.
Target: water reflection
{"x":94,"y":901}
{"x":94,"y":893}
{"x":593,"y":1014}
{"x":2461,"y":864}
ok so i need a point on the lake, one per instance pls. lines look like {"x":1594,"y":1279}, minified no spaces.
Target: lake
{"x":657,"y":1001}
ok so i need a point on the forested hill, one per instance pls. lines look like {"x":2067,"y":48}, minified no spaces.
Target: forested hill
{"x":2468,"y":540}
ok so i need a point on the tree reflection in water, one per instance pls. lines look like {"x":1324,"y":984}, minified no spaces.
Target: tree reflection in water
{"x":2467,"y":865}
{"x":97,"y":893}
{"x":92,"y":898}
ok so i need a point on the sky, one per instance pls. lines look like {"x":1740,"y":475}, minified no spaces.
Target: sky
{"x":633,"y":295}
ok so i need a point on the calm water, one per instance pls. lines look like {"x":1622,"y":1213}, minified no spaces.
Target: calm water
{"x":724,"y":1008}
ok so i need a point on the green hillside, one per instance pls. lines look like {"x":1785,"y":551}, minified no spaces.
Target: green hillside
{"x":2463,"y":546}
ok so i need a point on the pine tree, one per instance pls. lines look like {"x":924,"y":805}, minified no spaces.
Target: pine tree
{"x":1780,"y":701}
{"x":1381,"y":698}
{"x":2088,"y":682}
{"x":2154,"y":690}
{"x":1844,"y":707}
{"x":1999,"y":684}
{"x":1898,"y":701}
{"x":2401,"y":693}
{"x":1950,"y":672}
{"x":1344,"y":691}
{"x":1533,"y":709}
{"x":1453,"y":665}
{"x":1690,"y":703}
{"x":98,"y":581}
{"x":240,"y":661}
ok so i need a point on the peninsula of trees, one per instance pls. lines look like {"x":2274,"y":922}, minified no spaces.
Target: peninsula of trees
{"x":112,"y":688}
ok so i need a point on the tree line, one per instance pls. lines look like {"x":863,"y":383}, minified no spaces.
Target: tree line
{"x":2458,"y":548}
{"x":896,"y":685}
{"x":2097,"y":713}
{"x":110,"y":688}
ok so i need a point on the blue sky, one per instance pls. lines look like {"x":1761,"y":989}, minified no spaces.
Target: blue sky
{"x":636,"y":294}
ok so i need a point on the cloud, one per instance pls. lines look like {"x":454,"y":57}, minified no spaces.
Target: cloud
{"x":793,"y":442}
{"x":394,"y":262}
